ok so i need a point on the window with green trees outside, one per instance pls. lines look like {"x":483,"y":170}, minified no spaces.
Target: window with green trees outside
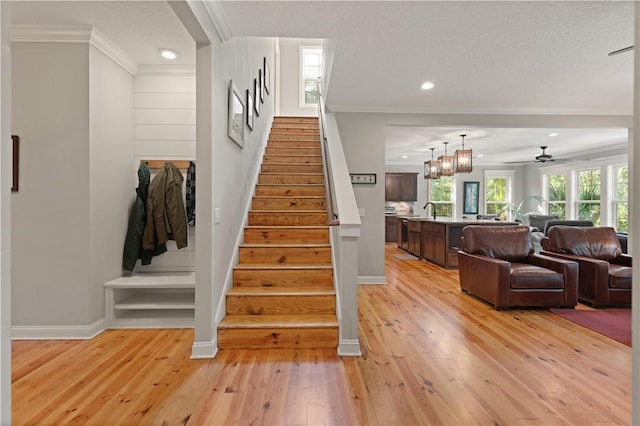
{"x":557,"y":204}
{"x":621,"y":198}
{"x":496,"y":192}
{"x":441,"y":194}
{"x":589,"y":195}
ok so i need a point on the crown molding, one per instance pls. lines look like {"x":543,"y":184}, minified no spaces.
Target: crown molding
{"x":109,"y":48}
{"x":170,"y":70}
{"x":74,"y":34}
{"x":219,"y":20}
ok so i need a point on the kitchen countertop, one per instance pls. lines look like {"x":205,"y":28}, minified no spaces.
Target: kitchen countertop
{"x":451,"y":220}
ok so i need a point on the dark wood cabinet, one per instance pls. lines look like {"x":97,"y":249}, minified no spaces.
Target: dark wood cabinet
{"x":427,"y":241}
{"x":391,"y":229}
{"x":401,"y":186}
{"x":440,"y":241}
{"x":413,"y":237}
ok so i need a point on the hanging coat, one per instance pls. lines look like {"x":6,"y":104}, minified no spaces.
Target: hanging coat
{"x":190,"y":194}
{"x":137,"y":219}
{"x":166,"y":218}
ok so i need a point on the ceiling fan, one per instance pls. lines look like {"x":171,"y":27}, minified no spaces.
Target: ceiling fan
{"x":624,"y":49}
{"x":541,"y":158}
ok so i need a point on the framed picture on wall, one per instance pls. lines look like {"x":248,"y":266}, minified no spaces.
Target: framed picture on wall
{"x":250,"y":108}
{"x":267,"y":75}
{"x":470,"y":197}
{"x":261,"y":83}
{"x":235,"y":123}
{"x":256,"y":94}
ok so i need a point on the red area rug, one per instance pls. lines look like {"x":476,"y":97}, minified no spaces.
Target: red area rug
{"x":613,"y":323}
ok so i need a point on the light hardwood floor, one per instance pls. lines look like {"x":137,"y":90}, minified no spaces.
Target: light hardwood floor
{"x":431,"y":356}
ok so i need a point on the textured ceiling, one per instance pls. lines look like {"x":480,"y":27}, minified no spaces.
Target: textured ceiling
{"x":484,"y":57}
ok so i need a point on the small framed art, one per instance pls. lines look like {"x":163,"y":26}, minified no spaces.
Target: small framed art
{"x":267,"y":75}
{"x":470,"y":197}
{"x":256,"y":94}
{"x":250,"y":110}
{"x":235,"y":124}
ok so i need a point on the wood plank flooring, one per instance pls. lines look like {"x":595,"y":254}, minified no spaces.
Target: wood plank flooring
{"x":431,"y":356}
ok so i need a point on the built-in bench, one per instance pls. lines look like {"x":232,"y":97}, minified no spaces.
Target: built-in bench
{"x":151,"y":300}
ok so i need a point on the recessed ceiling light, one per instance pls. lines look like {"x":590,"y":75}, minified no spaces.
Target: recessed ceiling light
{"x":480,"y":155}
{"x":405,"y":156}
{"x":553,"y":134}
{"x":427,"y":85}
{"x":168,"y":53}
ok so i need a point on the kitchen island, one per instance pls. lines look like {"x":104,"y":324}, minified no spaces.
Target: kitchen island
{"x":438,"y":240}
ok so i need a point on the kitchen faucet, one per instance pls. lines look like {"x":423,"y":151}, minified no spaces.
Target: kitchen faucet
{"x":433,"y":208}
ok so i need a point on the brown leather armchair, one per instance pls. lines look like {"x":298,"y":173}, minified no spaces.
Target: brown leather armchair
{"x":498,"y":265}
{"x":604,"y":271}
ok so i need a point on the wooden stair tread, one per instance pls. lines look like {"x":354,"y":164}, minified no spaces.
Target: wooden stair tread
{"x":292,"y":184}
{"x":288,"y":197}
{"x":281,"y":291}
{"x":278,"y":321}
{"x":285,"y":211}
{"x":293,"y":173}
{"x":287,"y":245}
{"x":303,"y":227}
{"x":283,"y":266}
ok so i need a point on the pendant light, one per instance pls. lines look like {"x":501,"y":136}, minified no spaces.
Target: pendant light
{"x":431,"y":168}
{"x":462,"y":159}
{"x":446,"y":162}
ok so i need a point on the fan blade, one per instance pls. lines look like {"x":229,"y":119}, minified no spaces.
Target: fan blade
{"x":616,"y":52}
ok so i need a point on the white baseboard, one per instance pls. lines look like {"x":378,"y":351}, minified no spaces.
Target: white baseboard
{"x":372,"y":279}
{"x":349,"y":347}
{"x":58,"y":332}
{"x":201,"y":350}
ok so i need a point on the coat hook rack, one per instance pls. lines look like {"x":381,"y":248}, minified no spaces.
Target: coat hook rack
{"x":158,"y":164}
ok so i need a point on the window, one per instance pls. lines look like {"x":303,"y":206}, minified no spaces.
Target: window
{"x":310,"y":69}
{"x":557,"y":190}
{"x":621,"y":198}
{"x":441,"y":194}
{"x":589,"y":195}
{"x":497,"y":192}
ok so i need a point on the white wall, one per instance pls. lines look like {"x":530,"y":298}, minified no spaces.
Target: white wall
{"x":73,"y":109}
{"x":110,"y":136}
{"x":51,"y":211}
{"x":165,"y":128}
{"x":5,"y":214}
{"x":290,"y":76}
{"x":233,"y":169}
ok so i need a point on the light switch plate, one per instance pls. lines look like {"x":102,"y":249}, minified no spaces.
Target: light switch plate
{"x":217,"y":215}
{"x":361,"y":211}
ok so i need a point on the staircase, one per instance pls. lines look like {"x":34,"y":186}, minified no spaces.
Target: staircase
{"x":283,"y":295}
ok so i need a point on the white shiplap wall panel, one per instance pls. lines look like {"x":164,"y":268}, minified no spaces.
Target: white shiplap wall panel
{"x":165,"y":100}
{"x":165,"y":116}
{"x":169,"y":84}
{"x":155,"y":149}
{"x":164,"y":126}
{"x":176,"y":132}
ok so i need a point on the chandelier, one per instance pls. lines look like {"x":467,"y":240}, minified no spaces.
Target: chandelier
{"x":431,"y":168}
{"x":462,"y":161}
{"x":446,"y":163}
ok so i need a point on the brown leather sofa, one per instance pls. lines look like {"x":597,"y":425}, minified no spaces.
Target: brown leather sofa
{"x":604,"y":271}
{"x":497,"y":264}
